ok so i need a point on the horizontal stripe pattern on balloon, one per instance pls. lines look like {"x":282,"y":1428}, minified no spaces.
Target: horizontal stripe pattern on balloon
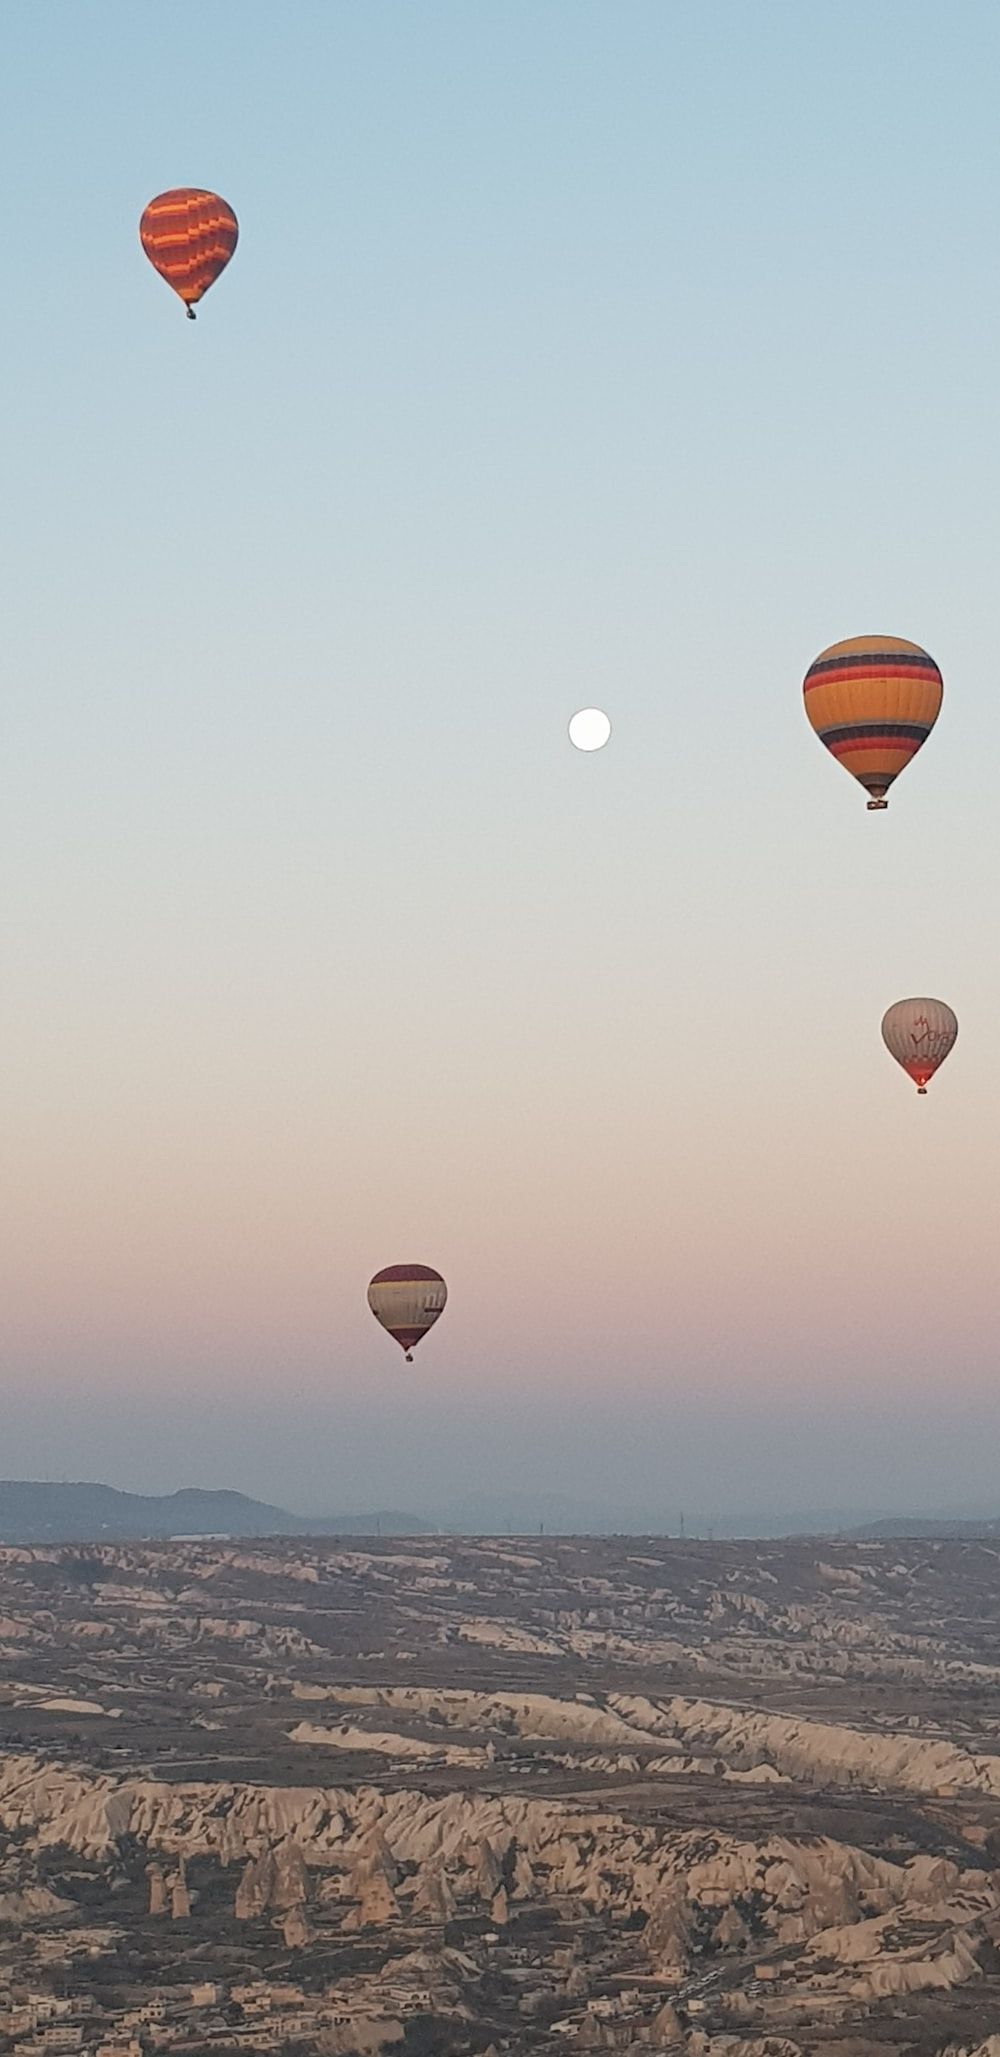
{"x":407,"y":1299}
{"x":189,"y":236}
{"x":873,"y":701}
{"x":902,"y":664}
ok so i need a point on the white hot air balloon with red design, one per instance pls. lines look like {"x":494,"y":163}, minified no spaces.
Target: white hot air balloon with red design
{"x":919,"y":1034}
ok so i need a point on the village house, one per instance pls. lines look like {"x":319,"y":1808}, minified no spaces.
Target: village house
{"x":207,"y":1995}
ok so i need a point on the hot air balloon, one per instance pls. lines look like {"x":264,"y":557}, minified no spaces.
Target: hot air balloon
{"x":873,"y":700}
{"x":919,"y":1034}
{"x":407,"y":1299}
{"x":189,"y":237}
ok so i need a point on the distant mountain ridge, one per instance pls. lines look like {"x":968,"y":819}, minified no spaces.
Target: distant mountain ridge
{"x":918,"y":1528}
{"x":46,"y":1511}
{"x":43,"y":1511}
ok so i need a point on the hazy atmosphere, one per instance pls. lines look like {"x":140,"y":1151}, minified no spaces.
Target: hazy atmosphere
{"x":586,"y":354}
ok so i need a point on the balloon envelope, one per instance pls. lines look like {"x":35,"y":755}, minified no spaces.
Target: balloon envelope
{"x":919,"y":1034}
{"x":407,"y":1299}
{"x":873,"y":701}
{"x":189,"y":236}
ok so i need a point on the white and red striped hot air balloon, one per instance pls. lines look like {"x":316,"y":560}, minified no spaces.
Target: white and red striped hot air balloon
{"x":919,"y":1034}
{"x":407,"y":1299}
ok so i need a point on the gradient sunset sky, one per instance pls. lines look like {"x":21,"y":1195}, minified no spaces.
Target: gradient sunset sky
{"x":573,"y":354}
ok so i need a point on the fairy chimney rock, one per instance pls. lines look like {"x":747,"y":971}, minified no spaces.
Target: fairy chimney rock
{"x":297,"y":1929}
{"x":290,"y":1886}
{"x":253,"y":1894}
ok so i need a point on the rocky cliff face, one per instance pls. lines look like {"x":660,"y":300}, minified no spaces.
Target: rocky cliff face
{"x":701,"y":1734}
{"x":839,"y":1901}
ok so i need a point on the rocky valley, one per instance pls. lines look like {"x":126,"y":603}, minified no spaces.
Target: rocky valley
{"x":459,"y":1794}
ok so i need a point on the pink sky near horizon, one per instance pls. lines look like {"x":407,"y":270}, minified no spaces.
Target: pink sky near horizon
{"x":799,"y":1228}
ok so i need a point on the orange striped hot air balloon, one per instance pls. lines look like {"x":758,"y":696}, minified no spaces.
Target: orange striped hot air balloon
{"x":873,"y":700}
{"x":189,"y":236}
{"x":919,"y":1034}
{"x":407,"y":1299}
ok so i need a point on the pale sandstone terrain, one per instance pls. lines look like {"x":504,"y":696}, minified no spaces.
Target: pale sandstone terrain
{"x":468,"y":1794}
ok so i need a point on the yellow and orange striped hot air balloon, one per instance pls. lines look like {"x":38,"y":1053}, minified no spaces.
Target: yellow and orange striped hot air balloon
{"x":189,"y":236}
{"x":407,"y":1299}
{"x":873,"y":700}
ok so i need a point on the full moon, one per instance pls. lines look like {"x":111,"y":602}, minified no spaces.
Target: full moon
{"x":589,"y":729}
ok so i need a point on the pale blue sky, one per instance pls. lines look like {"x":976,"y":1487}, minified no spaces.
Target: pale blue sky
{"x":623,"y":354}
